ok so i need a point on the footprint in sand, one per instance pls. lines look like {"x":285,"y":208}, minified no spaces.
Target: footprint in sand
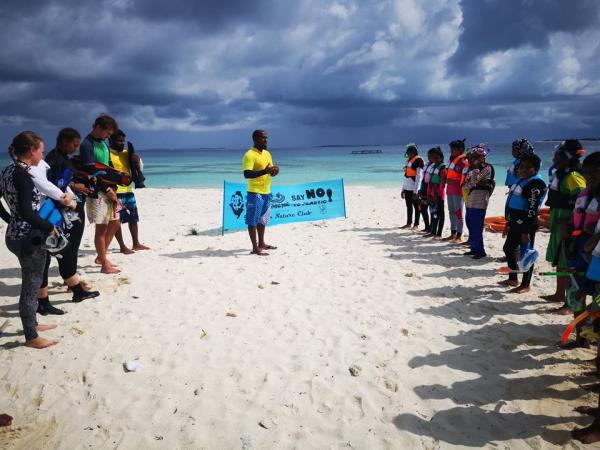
{"x":76,"y":331}
{"x":12,"y":390}
{"x":123,"y":280}
{"x":390,"y":385}
{"x":8,"y":434}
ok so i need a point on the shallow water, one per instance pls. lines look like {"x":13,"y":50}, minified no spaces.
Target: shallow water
{"x":200,"y":168}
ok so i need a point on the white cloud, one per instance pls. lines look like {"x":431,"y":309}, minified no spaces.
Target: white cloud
{"x":383,"y":86}
{"x":410,"y":18}
{"x":341,"y":11}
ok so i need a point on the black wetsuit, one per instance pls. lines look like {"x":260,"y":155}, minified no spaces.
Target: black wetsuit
{"x":60,"y":164}
{"x":25,"y":235}
{"x":523,"y":222}
{"x":411,"y":202}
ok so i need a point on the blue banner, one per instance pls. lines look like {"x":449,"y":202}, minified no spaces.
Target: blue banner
{"x":290,"y":203}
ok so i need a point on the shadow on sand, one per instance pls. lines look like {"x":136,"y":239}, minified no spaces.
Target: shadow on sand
{"x":207,"y":253}
{"x":495,"y":352}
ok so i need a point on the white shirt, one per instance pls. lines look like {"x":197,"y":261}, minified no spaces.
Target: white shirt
{"x":46,"y":188}
{"x":414,"y":185}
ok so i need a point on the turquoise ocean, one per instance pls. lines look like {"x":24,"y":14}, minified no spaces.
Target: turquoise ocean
{"x":207,"y":168}
{"x":202,"y":168}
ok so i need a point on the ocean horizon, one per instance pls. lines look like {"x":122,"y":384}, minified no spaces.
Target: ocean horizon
{"x":203,"y":167}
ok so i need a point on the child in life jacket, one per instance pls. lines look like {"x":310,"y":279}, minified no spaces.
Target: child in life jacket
{"x":566,"y":184}
{"x":413,"y":176}
{"x":455,"y":178}
{"x":524,"y":200}
{"x":520,"y":148}
{"x":480,"y":184}
{"x":436,"y":192}
{"x":591,"y":172}
{"x":580,"y":242}
{"x":424,"y":200}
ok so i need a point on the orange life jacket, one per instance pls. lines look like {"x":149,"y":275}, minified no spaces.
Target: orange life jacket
{"x":452,"y":173}
{"x":408,"y":167}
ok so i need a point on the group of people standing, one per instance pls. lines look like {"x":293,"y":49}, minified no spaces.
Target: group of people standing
{"x":467,"y":179}
{"x":99,"y":183}
{"x":573,"y":197}
{"x":48,"y":201}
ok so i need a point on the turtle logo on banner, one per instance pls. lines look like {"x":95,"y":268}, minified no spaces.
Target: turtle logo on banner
{"x":278,"y":198}
{"x":236,"y":203}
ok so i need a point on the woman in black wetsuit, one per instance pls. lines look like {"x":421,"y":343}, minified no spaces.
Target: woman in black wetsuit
{"x":26,"y":232}
{"x":62,"y":174}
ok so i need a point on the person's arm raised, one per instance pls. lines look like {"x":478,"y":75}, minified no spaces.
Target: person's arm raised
{"x":258,"y":173}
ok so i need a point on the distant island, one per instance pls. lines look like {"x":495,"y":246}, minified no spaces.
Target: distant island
{"x":581,"y":139}
{"x":347,"y":145}
{"x":183,"y":149}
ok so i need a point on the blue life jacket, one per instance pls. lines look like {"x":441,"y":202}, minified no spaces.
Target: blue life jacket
{"x":511,"y":173}
{"x":515,"y":196}
{"x":51,"y":213}
{"x":64,"y":179}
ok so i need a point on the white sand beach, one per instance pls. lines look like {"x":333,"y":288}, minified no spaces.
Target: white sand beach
{"x":444,"y":357}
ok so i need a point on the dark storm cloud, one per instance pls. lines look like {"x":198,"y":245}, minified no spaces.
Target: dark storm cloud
{"x":210,"y":15}
{"x":203,"y":66}
{"x":495,"y":25}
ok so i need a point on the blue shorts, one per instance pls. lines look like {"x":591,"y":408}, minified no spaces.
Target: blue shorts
{"x":130,"y":215}
{"x":258,"y":209}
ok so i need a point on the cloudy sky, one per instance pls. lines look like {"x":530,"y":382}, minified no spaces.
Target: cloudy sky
{"x":185,"y":73}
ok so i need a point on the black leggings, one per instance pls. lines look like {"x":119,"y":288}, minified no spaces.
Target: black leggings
{"x":67,"y":265}
{"x":437,"y":217}
{"x":410,"y":205}
{"x":512,"y":247}
{"x":425,"y":213}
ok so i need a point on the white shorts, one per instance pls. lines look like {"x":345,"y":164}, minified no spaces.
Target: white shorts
{"x":100,"y":210}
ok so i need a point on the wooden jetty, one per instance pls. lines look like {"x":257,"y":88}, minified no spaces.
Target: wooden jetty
{"x":365,"y":152}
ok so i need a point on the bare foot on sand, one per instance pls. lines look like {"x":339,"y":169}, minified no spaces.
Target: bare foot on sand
{"x":40,"y":342}
{"x":49,"y":326}
{"x":126,"y":251}
{"x":562,"y":311}
{"x":577,"y":343}
{"x":97,"y":261}
{"x":513,"y":283}
{"x":589,"y":410}
{"x":587,"y":435}
{"x":109,"y":268}
{"x":520,"y":290}
{"x":552,"y":298}
{"x":140,"y":247}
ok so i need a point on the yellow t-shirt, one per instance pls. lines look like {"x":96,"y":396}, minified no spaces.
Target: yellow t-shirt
{"x":257,"y":160}
{"x":120,"y":161}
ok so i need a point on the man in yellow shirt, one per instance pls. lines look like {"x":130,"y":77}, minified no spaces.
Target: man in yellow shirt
{"x":121,"y":160}
{"x":258,"y":168}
